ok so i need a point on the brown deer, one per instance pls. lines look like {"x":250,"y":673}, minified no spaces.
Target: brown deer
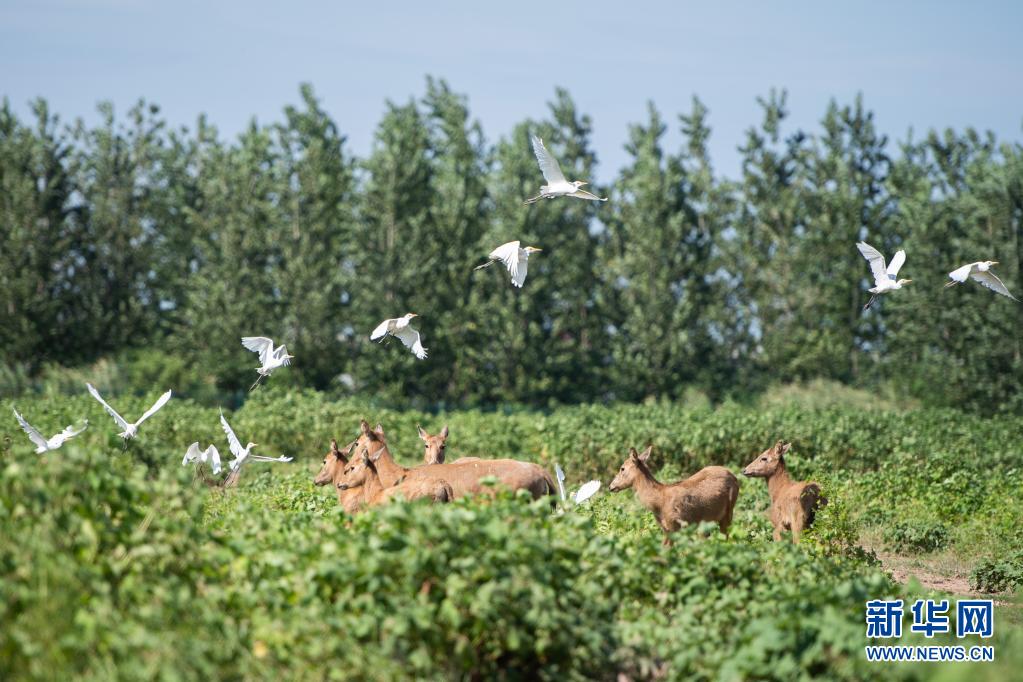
{"x":707,"y":495}
{"x":332,"y":471}
{"x":463,"y":475}
{"x":793,"y":503}
{"x":361,"y":476}
{"x":434,"y":445}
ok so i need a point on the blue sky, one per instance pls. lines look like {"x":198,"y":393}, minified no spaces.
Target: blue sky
{"x":918,"y":64}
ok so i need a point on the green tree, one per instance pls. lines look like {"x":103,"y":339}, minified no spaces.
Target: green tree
{"x":36,"y":244}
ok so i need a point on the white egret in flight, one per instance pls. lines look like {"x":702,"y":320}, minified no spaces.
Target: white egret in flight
{"x":884,"y":276}
{"x":586,"y":491}
{"x":560,"y":475}
{"x":44,"y":444}
{"x":399,"y":328}
{"x":270,"y":357}
{"x":514,"y":257}
{"x":242,"y":455}
{"x":557,"y":185}
{"x":130,"y":430}
{"x":210,"y":454}
{"x":980,"y":272}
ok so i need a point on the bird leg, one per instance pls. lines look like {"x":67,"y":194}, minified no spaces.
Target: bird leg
{"x":872,"y":299}
{"x":255,"y":384}
{"x":951,"y":284}
{"x":533,"y":200}
{"x":485,"y":265}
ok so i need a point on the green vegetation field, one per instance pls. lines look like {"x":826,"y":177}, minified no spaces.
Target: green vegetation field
{"x":117,"y":563}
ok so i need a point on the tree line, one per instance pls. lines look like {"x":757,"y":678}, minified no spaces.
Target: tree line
{"x":129,"y":235}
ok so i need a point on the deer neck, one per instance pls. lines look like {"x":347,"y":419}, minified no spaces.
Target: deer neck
{"x":373,"y":485}
{"x":778,"y":481}
{"x":389,"y":472}
{"x":648,"y":489}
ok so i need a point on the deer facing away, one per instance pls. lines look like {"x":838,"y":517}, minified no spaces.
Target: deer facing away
{"x":707,"y":495}
{"x":793,"y":503}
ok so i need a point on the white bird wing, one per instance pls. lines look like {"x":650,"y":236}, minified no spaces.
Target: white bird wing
{"x":381,"y":330}
{"x":160,"y":402}
{"x":111,"y":411}
{"x":876,"y":261}
{"x":991,"y":281}
{"x":262,"y":458}
{"x":191,"y":454}
{"x":586,"y":491}
{"x":33,"y":434}
{"x":67,"y":434}
{"x":960,"y":274}
{"x":213,"y":455}
{"x":509,"y":255}
{"x":232,"y":440}
{"x":548,"y":164}
{"x":559,"y":474}
{"x":583,"y":194}
{"x":410,"y":337}
{"x":519,"y":273}
{"x":281,"y":355}
{"x":897,"y":260}
{"x":259,"y":344}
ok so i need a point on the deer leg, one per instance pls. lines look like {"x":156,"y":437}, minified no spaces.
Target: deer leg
{"x":777,"y":533}
{"x":797,"y":529}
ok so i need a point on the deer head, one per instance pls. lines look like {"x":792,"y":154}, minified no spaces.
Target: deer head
{"x":357,"y":473}
{"x":635,"y":465}
{"x":768,"y":461}
{"x":334,"y":463}
{"x":372,"y":441}
{"x":434,"y":445}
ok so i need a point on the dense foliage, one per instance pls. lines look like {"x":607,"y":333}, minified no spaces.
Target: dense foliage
{"x":126,"y":234}
{"x":106,"y":552}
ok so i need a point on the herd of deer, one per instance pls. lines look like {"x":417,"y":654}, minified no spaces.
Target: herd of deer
{"x":365,"y":473}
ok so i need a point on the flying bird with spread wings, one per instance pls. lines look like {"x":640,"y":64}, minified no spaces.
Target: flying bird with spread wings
{"x":557,"y":185}
{"x":130,"y":430}
{"x":243,"y":454}
{"x":980,"y":272}
{"x":210,"y":454}
{"x":270,"y":358}
{"x":399,"y":328}
{"x":884,"y":275}
{"x":46,"y":444}
{"x":514,"y":257}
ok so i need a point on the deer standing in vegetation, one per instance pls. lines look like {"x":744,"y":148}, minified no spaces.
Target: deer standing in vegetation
{"x":793,"y":503}
{"x":463,"y":475}
{"x":707,"y":495}
{"x":434,"y":445}
{"x":332,"y":471}
{"x":360,"y":475}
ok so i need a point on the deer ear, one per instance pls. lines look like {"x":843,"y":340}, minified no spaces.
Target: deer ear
{"x":444,"y":432}
{"x":645,"y":455}
{"x":364,"y":427}
{"x":785,"y":447}
{"x":423,"y":435}
{"x":633,"y":453}
{"x":379,"y":430}
{"x":333,"y":447}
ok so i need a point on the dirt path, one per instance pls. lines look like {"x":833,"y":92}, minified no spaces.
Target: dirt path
{"x":935,"y":573}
